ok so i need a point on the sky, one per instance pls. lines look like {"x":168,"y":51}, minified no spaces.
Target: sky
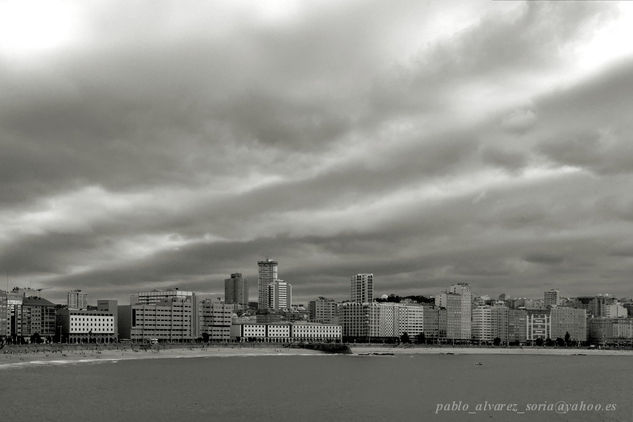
{"x":159,"y":144}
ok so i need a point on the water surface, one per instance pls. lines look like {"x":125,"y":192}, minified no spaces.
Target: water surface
{"x":320,"y":388}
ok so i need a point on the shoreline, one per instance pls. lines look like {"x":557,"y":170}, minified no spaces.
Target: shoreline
{"x":58,"y":355}
{"x":538,"y":351}
{"x":89,"y":355}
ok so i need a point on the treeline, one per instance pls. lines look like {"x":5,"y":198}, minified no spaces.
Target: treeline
{"x":392,"y":298}
{"x":339,"y":348}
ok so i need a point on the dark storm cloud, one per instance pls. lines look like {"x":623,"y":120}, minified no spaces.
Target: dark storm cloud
{"x":182,"y":147}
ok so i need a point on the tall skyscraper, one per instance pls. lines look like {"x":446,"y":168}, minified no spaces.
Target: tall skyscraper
{"x":551,"y":298}
{"x":279,"y":295}
{"x":236,"y":290}
{"x":76,"y":299}
{"x":362,"y":288}
{"x":268,"y":272}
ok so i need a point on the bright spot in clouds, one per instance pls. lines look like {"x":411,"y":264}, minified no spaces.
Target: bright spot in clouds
{"x":30,"y":27}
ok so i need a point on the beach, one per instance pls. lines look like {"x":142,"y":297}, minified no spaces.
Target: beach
{"x":430,"y":350}
{"x":51,"y":354}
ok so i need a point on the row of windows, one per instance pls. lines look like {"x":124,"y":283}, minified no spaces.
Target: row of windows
{"x":90,"y":325}
{"x":92,"y":319}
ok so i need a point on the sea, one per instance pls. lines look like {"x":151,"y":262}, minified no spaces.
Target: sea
{"x":441,"y":387}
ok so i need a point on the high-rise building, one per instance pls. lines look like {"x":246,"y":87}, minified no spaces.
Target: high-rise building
{"x":612,"y":331}
{"x":538,"y":324}
{"x":171,"y":320}
{"x":482,"y":324}
{"x":14,"y":312}
{"x":458,"y":303}
{"x":387,"y":314}
{"x":368,"y":321}
{"x":76,"y":299}
{"x":615,"y":310}
{"x":411,"y":319}
{"x":215,"y":319}
{"x":379,"y":321}
{"x":568,"y":320}
{"x":5,"y":317}
{"x":34,"y":316}
{"x":323,"y":310}
{"x":354,"y":318}
{"x":279,"y":295}
{"x":517,"y":326}
{"x":490,"y":323}
{"x":152,"y":297}
{"x":362,"y":288}
{"x":236,"y":290}
{"x":268,"y":271}
{"x":432,"y":322}
{"x":500,"y":322}
{"x":551,"y":298}
{"x":598,"y":305}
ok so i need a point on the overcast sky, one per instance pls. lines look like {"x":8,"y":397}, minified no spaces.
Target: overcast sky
{"x":168,"y":144}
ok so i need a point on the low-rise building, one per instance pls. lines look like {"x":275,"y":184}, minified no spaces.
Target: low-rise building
{"x":278,"y":333}
{"x":307,"y":331}
{"x":249,"y":332}
{"x":86,"y":326}
{"x":286,"y":332}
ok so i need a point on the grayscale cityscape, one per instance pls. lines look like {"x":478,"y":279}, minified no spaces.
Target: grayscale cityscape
{"x":454,"y":316}
{"x":316,"y":210}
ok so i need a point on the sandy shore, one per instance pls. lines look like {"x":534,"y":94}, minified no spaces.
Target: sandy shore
{"x":399,"y":350}
{"x":25,"y":357}
{"x":46,"y":355}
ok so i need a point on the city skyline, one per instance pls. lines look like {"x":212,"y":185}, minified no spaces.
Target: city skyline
{"x":424,"y":142}
{"x":438,"y":296}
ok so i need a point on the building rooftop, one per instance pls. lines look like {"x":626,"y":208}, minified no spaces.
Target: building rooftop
{"x":36,"y":301}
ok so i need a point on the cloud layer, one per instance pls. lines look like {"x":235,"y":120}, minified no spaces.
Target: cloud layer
{"x":162,"y":145}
